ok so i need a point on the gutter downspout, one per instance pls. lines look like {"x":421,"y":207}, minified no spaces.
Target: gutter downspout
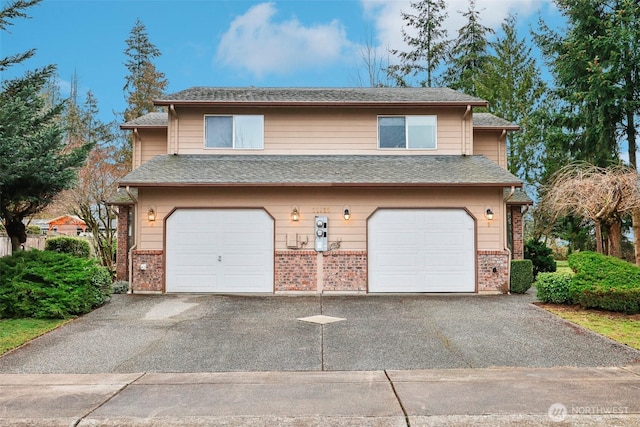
{"x":174,"y":139}
{"x":135,"y":245}
{"x":513,"y":190}
{"x":464,"y":131}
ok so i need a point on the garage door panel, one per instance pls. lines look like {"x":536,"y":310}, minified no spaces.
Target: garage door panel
{"x":434,"y":253}
{"x":219,"y":250}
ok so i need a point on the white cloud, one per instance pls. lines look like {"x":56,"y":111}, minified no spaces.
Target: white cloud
{"x":259,"y":44}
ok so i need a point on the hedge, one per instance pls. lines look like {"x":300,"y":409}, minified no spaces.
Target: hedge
{"x":46,"y":284}
{"x":541,"y":256}
{"x":605,"y":282}
{"x":554,"y":288}
{"x":521,"y":275}
{"x":69,"y":245}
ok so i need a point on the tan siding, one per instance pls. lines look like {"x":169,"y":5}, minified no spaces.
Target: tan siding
{"x":486,"y":143}
{"x":352,"y":233}
{"x":153,"y":142}
{"x":320,"y":130}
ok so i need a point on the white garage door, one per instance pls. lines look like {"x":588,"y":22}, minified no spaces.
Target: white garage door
{"x":421,"y":250}
{"x":219,"y":250}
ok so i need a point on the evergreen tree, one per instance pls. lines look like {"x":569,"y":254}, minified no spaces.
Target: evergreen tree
{"x":34,"y":162}
{"x":428,"y":48}
{"x":513,"y":86}
{"x":144,"y":83}
{"x":469,"y":54}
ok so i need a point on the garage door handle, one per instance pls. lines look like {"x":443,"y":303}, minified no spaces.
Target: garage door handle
{"x":219,"y":257}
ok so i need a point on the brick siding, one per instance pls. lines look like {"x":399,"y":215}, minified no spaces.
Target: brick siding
{"x":344,"y":271}
{"x":296,"y":271}
{"x":151,"y":279}
{"x":488,"y":279}
{"x":122,"y":254}
{"x":517,"y":232}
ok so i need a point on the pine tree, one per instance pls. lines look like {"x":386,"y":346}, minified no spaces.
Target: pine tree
{"x":469,"y":54}
{"x":144,"y":83}
{"x":513,"y":86}
{"x":34,"y":163}
{"x":428,"y":47}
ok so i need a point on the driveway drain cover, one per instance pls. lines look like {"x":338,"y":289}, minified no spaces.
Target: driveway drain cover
{"x":321,"y":319}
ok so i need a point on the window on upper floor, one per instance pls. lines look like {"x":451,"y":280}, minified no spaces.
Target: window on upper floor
{"x":241,"y":132}
{"x":409,"y":132}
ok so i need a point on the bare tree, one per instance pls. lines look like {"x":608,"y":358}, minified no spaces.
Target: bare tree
{"x":372,"y":71}
{"x":600,"y":195}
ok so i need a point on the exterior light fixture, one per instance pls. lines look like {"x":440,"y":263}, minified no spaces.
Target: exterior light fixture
{"x":151,"y":214}
{"x":346,"y":213}
{"x":489,"y":214}
{"x":295,"y":214}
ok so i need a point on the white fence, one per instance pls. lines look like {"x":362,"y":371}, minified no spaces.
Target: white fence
{"x":36,"y":242}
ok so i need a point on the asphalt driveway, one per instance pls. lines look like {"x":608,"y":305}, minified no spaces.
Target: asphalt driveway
{"x":207,"y":333}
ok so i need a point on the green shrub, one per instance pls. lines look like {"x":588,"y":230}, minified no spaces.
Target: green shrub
{"x":540,"y":255}
{"x":521,"y":275}
{"x":605,"y":282}
{"x":69,"y":245}
{"x":120,"y":287}
{"x":554,"y":288}
{"x":47,"y":284}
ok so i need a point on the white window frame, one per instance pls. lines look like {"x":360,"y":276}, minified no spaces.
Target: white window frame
{"x":406,"y":132}
{"x":233,"y":132}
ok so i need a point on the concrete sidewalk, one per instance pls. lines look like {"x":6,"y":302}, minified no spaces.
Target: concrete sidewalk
{"x":442,"y":397}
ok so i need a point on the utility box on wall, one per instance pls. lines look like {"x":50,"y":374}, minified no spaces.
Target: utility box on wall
{"x":321,"y":223}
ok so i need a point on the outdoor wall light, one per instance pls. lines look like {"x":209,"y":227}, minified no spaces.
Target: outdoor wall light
{"x":489,"y":214}
{"x":346,"y":213}
{"x":295,"y":214}
{"x":151,"y":214}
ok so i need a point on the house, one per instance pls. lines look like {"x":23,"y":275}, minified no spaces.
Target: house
{"x":275,"y":190}
{"x":69,"y":225}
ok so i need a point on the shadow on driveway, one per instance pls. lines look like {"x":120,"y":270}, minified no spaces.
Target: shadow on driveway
{"x":213,"y":333}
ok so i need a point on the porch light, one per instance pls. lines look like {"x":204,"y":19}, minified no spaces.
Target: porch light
{"x":489,"y":214}
{"x":151,"y":214}
{"x":346,"y":213}
{"x":295,"y":214}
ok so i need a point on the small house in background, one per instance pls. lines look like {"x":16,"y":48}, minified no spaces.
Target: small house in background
{"x":68,"y":225}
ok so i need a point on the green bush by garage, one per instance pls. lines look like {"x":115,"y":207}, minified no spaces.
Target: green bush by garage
{"x":600,"y":282}
{"x":521,"y":275}
{"x":48,"y":284}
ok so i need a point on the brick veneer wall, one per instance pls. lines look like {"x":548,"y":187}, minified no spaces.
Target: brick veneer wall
{"x":151,"y":279}
{"x":488,"y":280}
{"x":344,"y":271}
{"x":296,"y":271}
{"x":517,"y":232}
{"x":122,"y":254}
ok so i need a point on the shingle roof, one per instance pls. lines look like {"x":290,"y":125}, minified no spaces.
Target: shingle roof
{"x":488,"y":120}
{"x":157,"y":119}
{"x":301,"y":170}
{"x":519,"y":197}
{"x":321,"y":96}
{"x":121,"y":197}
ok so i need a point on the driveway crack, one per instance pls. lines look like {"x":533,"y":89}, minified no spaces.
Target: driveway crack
{"x":395,"y":393}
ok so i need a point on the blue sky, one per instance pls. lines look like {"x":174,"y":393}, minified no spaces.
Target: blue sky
{"x":226,"y":42}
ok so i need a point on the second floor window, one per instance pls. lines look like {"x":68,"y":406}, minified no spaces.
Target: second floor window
{"x":409,"y":132}
{"x":234,"y":132}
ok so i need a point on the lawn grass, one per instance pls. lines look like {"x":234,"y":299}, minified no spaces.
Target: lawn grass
{"x":620,"y":327}
{"x":563,"y":267}
{"x":15,"y":332}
